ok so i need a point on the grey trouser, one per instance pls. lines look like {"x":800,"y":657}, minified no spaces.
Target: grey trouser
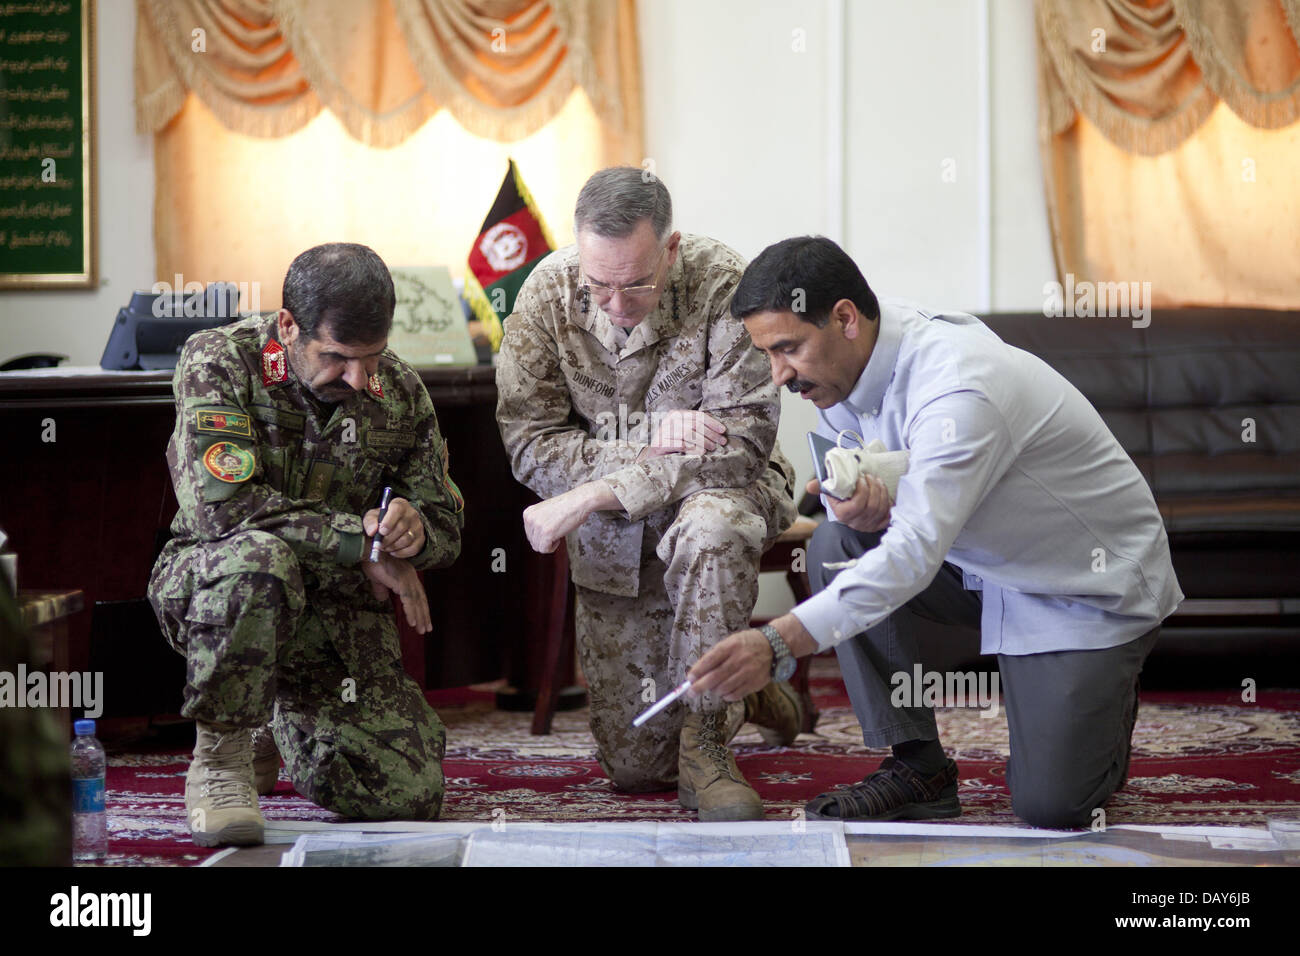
{"x":1069,"y":713}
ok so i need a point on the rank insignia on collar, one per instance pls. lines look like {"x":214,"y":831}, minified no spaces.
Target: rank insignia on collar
{"x":274,"y":370}
{"x":374,"y":387}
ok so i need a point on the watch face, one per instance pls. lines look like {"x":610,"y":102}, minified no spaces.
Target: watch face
{"x":785,"y":669}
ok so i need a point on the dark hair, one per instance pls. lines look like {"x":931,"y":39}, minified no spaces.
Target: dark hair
{"x":344,"y":286}
{"x":805,"y":275}
{"x":615,"y":200}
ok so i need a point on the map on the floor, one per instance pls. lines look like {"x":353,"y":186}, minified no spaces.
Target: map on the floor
{"x":812,"y":843}
{"x":661,"y":844}
{"x":937,"y":844}
{"x":597,"y":844}
{"x":370,"y":849}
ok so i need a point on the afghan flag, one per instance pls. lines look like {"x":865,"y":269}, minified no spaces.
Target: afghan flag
{"x":512,"y":241}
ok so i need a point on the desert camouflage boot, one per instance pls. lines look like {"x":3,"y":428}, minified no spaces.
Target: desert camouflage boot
{"x":777,"y":712}
{"x":708,"y":779}
{"x":219,"y":795}
{"x":266,"y":760}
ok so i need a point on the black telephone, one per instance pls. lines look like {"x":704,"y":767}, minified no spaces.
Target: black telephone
{"x":149,"y":331}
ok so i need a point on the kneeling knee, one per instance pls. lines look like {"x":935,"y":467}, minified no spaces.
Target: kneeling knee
{"x":632,"y":778}
{"x":390,"y":803}
{"x":338,"y":784}
{"x":724,"y":527}
{"x":1053,"y":811}
{"x":424,"y":804}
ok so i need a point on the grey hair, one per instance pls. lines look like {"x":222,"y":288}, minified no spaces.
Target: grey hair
{"x":615,"y":200}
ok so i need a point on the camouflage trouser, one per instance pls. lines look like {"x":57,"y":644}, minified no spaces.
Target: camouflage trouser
{"x":698,"y":584}
{"x":263,"y":641}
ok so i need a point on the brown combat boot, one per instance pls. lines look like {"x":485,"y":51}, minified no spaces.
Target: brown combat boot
{"x":219,"y":795}
{"x":266,"y":761}
{"x":708,"y":779}
{"x":777,"y":712}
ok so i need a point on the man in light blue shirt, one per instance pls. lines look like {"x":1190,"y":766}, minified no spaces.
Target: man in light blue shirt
{"x":1019,"y":513}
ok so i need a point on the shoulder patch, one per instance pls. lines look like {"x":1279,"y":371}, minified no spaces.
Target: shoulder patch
{"x":222,"y":421}
{"x":227,"y":462}
{"x":274,"y":370}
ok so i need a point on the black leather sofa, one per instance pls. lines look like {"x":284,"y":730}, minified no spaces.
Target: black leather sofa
{"x":1207,"y":403}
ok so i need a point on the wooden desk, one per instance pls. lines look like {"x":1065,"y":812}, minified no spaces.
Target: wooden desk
{"x":86,"y":493}
{"x":45,"y":614}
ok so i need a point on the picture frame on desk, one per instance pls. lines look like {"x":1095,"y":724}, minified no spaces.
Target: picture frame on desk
{"x":429,"y":327}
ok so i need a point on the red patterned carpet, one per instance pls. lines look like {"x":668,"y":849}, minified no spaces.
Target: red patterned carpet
{"x":1204,"y":758}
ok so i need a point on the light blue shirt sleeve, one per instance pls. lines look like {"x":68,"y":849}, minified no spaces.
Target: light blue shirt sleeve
{"x":960,"y":447}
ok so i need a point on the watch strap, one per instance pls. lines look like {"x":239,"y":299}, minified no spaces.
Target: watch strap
{"x":780,"y":650}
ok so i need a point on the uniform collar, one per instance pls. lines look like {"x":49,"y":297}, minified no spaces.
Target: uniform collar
{"x":869,"y":391}
{"x":664,"y":322}
{"x":268,"y":344}
{"x":269,"y":335}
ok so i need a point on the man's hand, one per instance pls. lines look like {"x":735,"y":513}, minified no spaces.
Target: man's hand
{"x":867,"y":510}
{"x":547,"y":522}
{"x":402,"y":529}
{"x":742,"y":663}
{"x":735,"y":668}
{"x":392,"y":574}
{"x":686,"y":431}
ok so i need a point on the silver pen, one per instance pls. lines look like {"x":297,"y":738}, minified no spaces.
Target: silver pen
{"x":383,"y":513}
{"x":676,"y":692}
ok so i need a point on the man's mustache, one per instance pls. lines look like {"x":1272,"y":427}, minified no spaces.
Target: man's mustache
{"x":799,"y":385}
{"x":333,"y":393}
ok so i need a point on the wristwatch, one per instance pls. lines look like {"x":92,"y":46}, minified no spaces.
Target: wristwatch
{"x":783,"y":661}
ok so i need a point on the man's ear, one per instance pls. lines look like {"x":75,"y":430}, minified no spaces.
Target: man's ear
{"x":287,"y":326}
{"x":673,"y":242}
{"x":850,"y":320}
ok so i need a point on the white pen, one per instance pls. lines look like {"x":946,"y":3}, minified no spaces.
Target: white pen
{"x":676,"y":692}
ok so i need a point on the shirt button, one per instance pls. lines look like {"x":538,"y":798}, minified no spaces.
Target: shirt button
{"x":875,"y":411}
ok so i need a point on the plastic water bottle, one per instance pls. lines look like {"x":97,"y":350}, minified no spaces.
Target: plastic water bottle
{"x":89,"y":819}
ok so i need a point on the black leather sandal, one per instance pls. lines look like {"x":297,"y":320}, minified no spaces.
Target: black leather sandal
{"x":894,"y":792}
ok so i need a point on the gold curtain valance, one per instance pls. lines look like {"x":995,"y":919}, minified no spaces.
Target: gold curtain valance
{"x":1148,"y":73}
{"x":503,"y":68}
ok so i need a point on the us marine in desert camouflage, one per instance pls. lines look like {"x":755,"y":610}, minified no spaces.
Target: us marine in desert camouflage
{"x":632,"y":402}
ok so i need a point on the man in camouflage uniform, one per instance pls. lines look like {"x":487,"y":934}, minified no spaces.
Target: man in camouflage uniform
{"x":633,"y":404}
{"x":288,"y":427}
{"x":36,"y":784}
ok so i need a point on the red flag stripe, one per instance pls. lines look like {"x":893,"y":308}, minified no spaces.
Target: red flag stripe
{"x":522,"y":220}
